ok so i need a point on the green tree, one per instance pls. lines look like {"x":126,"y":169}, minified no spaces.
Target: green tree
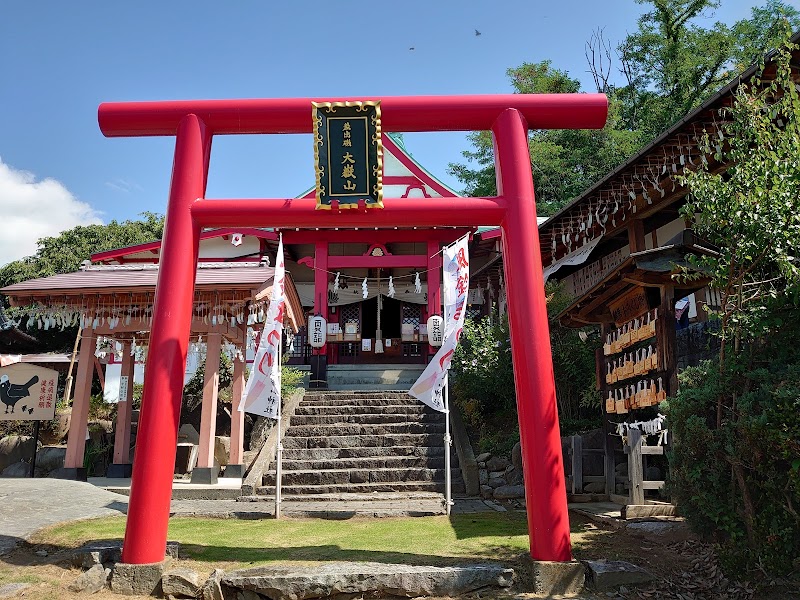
{"x":736,"y":461}
{"x":671,"y":64}
{"x":564,"y":162}
{"x":65,"y":252}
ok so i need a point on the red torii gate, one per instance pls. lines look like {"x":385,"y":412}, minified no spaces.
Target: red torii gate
{"x":194,"y":123}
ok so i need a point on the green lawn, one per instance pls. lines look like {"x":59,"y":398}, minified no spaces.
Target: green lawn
{"x":428,"y":540}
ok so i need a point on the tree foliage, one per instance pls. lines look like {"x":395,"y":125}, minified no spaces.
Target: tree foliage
{"x":736,"y":462}
{"x":65,"y":252}
{"x":657,"y":74}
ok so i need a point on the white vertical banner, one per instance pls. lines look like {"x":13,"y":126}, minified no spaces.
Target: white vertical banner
{"x":262,"y":394}
{"x":428,"y":388}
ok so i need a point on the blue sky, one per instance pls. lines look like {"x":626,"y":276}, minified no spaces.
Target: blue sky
{"x":61,"y":59}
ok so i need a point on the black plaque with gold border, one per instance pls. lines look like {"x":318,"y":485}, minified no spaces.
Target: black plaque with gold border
{"x":348,"y":153}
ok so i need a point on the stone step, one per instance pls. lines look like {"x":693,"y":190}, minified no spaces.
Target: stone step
{"x":361,"y":452}
{"x":372,"y":400}
{"x":347,"y":476}
{"x":409,"y":410}
{"x":364,"y":429}
{"x":385,"y":462}
{"x":364,"y":419}
{"x":355,"y":441}
{"x":408,"y":486}
{"x":351,"y":497}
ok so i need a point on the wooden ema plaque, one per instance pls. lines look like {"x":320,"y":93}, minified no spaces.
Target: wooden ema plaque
{"x":27,"y":393}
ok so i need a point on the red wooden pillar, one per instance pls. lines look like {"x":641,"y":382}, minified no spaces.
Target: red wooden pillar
{"x":206,"y":471}
{"x":434,"y":283}
{"x":122,"y":438}
{"x":151,"y":488}
{"x":545,"y":491}
{"x":76,"y":442}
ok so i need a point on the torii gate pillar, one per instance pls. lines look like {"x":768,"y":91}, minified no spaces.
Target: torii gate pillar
{"x":194,"y":124}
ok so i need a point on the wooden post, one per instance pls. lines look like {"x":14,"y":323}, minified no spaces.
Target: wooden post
{"x":205,"y":471}
{"x":76,"y":442}
{"x":235,"y":465}
{"x":577,"y":464}
{"x":635,"y":474}
{"x":665,"y":338}
{"x":121,"y":466}
{"x":636,"y":236}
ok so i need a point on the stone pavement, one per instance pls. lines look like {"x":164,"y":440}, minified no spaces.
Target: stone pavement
{"x":27,"y":505}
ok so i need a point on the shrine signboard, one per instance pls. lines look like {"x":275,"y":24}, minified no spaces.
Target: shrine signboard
{"x":27,"y":393}
{"x":348,"y":154}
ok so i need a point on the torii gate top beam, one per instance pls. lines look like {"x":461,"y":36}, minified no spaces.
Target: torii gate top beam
{"x":398,"y":113}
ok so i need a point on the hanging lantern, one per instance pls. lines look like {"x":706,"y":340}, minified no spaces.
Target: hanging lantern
{"x":435,"y":330}
{"x":364,"y":289}
{"x":417,"y":284}
{"x":317,"y":331}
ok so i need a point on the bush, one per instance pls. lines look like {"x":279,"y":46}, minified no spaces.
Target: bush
{"x":740,"y":482}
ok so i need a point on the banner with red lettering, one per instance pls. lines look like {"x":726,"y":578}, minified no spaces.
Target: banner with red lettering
{"x":428,"y":389}
{"x":262,"y":394}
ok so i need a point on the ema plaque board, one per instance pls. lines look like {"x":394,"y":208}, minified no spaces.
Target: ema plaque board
{"x":27,"y":393}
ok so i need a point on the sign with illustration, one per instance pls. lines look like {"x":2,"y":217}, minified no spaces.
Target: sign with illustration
{"x":27,"y":393}
{"x":348,"y":153}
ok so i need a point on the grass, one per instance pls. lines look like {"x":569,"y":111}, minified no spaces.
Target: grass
{"x":430,"y":540}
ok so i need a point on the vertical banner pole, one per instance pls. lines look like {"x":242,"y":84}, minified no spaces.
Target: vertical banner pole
{"x":279,"y":453}
{"x":447,"y":443}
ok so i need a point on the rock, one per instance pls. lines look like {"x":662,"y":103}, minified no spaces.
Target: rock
{"x":653,"y":474}
{"x":55,"y":431}
{"x":483,"y":476}
{"x":187,"y":434}
{"x":50,"y":458}
{"x":41,"y":553}
{"x":513,"y":475}
{"x":482,"y":465}
{"x":507,"y":492}
{"x":611,"y":574}
{"x":621,"y":469}
{"x":212,"y":588}
{"x":91,"y":581}
{"x":15,"y":448}
{"x":260,"y":432}
{"x":144,"y":580}
{"x":182,"y":583}
{"x":594,"y":487}
{"x":10,"y":590}
{"x":248,"y":595}
{"x":373,"y":579}
{"x":497,"y":463}
{"x":516,"y":457}
{"x":483,"y":457}
{"x":620,"y":490}
{"x":97,"y":553}
{"x":497,"y":482}
{"x":222,"y":449}
{"x":359,"y":476}
{"x":487,"y":492}
{"x":19,"y":469}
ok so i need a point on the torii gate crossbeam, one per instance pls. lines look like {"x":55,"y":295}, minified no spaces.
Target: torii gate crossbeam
{"x":194,"y":123}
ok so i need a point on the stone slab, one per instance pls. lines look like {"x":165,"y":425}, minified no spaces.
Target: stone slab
{"x":143,"y":580}
{"x":611,"y":574}
{"x":9,"y":590}
{"x":557,"y":578}
{"x":305,"y":583}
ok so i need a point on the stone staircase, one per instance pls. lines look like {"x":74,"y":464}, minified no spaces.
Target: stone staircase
{"x":350,"y":445}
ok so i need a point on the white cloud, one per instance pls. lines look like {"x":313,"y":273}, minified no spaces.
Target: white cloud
{"x":32,"y":209}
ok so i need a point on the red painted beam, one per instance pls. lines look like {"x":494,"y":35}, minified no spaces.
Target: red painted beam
{"x":395,"y":261}
{"x":398,"y":113}
{"x":371,"y":235}
{"x":302,"y":212}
